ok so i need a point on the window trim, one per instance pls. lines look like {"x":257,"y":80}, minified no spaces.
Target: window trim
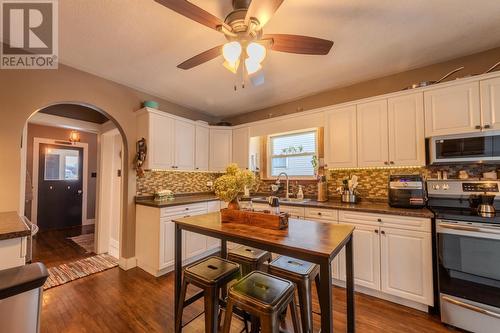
{"x":269,"y":157}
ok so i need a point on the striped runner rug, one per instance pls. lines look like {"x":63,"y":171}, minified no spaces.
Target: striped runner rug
{"x":84,"y":267}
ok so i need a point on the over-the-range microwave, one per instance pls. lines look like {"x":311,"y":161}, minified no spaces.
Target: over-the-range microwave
{"x":481,"y":147}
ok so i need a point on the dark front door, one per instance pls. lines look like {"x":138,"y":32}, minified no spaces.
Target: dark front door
{"x":60,"y":189}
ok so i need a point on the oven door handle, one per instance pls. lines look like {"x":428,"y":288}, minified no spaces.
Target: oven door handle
{"x":459,"y":227}
{"x":470,"y":307}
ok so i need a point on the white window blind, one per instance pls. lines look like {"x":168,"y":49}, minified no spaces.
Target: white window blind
{"x":293,"y":153}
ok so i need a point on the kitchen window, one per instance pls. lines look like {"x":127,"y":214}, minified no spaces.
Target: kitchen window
{"x":293,"y":153}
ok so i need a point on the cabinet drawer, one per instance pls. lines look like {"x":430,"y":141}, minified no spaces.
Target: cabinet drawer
{"x":321,"y":214}
{"x":384,"y":220}
{"x":184,"y":209}
{"x":294,"y":211}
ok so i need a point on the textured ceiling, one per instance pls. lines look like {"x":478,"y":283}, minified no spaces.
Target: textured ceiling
{"x":139,"y":43}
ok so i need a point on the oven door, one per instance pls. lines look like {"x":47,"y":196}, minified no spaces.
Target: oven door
{"x":469,"y":261}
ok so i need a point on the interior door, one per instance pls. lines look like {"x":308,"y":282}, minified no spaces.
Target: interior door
{"x":60,"y":186}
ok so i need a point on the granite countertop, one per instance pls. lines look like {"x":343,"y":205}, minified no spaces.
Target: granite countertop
{"x":177,"y":201}
{"x":12,"y":226}
{"x":367,"y":206}
{"x":378,"y":207}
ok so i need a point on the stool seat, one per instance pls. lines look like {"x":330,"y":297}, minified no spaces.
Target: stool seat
{"x":264,"y":297}
{"x":262,"y":289}
{"x":293,"y":266}
{"x":249,"y":253}
{"x":212,"y":270}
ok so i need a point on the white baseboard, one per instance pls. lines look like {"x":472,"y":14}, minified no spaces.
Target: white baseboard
{"x":384,"y":296}
{"x":89,"y":222}
{"x":114,"y":248}
{"x":128,"y":263}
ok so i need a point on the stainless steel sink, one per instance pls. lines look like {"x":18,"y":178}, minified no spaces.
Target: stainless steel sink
{"x":291,"y":200}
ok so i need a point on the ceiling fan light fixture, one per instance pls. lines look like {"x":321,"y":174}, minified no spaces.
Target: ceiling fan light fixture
{"x":232,"y":67}
{"x":257,"y":52}
{"x":231,"y":52}
{"x":252,"y":66}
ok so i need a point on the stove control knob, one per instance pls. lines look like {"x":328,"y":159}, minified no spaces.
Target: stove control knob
{"x":446,"y":187}
{"x":436,"y":187}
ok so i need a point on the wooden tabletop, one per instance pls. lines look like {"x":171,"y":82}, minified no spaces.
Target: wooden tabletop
{"x":12,"y":226}
{"x":318,"y":239}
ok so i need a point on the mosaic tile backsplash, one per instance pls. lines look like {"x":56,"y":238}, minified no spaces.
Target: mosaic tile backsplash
{"x":372,"y":182}
{"x":178,"y":182}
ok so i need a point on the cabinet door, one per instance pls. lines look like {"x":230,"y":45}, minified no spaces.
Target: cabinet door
{"x":202,"y":147}
{"x":161,"y":147}
{"x":194,"y":244}
{"x":241,"y":147}
{"x":184,"y":145}
{"x":340,"y":138}
{"x":373,"y":147}
{"x":452,"y":110}
{"x":490,"y":103}
{"x":366,"y":257}
{"x":167,"y":248}
{"x":406,"y":263}
{"x":221,"y":146}
{"x":406,"y":130}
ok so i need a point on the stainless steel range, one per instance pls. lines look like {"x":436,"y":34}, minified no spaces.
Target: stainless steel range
{"x":468,"y":252}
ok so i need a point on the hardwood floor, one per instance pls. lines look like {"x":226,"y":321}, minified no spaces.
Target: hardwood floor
{"x":53,"y":248}
{"x":134,"y":301}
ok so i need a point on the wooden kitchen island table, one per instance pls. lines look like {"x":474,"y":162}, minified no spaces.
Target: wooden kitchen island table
{"x":316,"y":242}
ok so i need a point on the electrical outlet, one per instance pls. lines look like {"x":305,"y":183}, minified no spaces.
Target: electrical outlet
{"x":210,"y":184}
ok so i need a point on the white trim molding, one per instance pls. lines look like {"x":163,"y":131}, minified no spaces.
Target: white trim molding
{"x":36,"y":151}
{"x":127,"y":263}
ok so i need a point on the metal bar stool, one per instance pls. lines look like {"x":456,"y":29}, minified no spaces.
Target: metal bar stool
{"x":302,"y":273}
{"x":265,"y":297}
{"x":250,"y":259}
{"x":210,"y":274}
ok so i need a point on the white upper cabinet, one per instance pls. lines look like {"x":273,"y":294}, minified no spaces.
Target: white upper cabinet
{"x":158,"y":130}
{"x":184,"y":141}
{"x":340,"y":138}
{"x":372,"y":134}
{"x":452,"y":110}
{"x":490,"y":103}
{"x":406,"y":130}
{"x":221,"y":148}
{"x":202,"y":147}
{"x":241,"y":144}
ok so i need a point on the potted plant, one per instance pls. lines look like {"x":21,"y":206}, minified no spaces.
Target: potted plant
{"x":232,"y":183}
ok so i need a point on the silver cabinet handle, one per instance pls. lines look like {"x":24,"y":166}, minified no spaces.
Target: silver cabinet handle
{"x":470,"y":307}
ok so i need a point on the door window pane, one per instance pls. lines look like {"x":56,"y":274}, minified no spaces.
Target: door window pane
{"x":62,"y":164}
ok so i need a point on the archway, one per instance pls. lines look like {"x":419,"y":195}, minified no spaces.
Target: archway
{"x":101,"y":224}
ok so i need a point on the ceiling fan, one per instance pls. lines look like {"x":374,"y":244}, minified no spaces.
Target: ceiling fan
{"x":246,"y":41}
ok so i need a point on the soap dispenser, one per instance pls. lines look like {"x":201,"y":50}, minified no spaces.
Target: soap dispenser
{"x":300,"y":193}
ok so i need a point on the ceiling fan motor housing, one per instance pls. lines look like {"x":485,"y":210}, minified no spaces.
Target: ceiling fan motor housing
{"x":241,"y":4}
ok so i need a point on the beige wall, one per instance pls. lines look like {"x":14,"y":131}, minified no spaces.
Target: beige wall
{"x":22,"y":92}
{"x":62,"y":134}
{"x":474,"y":64}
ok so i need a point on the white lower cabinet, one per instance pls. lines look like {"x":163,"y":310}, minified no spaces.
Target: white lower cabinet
{"x":406,"y":268}
{"x":155,"y":238}
{"x":392,"y":255}
{"x":366,"y":257}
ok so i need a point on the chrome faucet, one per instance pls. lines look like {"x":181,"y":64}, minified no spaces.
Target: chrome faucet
{"x":287,"y":195}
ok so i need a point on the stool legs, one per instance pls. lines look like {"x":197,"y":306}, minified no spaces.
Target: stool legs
{"x":178,"y":323}
{"x":295,"y":319}
{"x":228,"y":317}
{"x":305,"y":301}
{"x":211,"y":310}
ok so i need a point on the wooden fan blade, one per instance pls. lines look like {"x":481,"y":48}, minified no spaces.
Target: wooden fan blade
{"x":201,"y":58}
{"x":299,"y":44}
{"x":262,"y":10}
{"x":194,"y":13}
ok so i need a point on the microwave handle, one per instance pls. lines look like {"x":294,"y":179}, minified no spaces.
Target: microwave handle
{"x":470,"y":307}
